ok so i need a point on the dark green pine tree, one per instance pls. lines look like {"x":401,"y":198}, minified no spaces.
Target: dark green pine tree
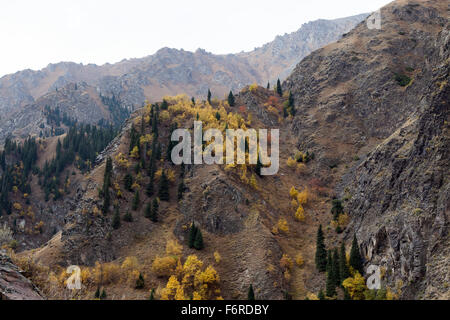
{"x":140,"y":282}
{"x":181,"y":188}
{"x":336,"y":209}
{"x":158,"y":151}
{"x":268,"y":85}
{"x":116,"y":219}
{"x":321,"y":253}
{"x":331,"y":282}
{"x":106,"y":198}
{"x":321,"y":295}
{"x":231,"y":100}
{"x":292,"y":110}
{"x":198,"y":243}
{"x":97,"y":293}
{"x":343,"y":268}
{"x":128,"y":182}
{"x":103,"y":295}
{"x":136,"y":201}
{"x":155,"y":209}
{"x":336,"y":268}
{"x":355,"y":256}
{"x":152,"y":294}
{"x":279,"y":89}
{"x":148,"y":210}
{"x":258,"y":166}
{"x":192,"y":234}
{"x":128,"y":217}
{"x":149,"y":189}
{"x":164,"y":105}
{"x":251,"y":293}
{"x":163,"y":192}
{"x":209,"y":96}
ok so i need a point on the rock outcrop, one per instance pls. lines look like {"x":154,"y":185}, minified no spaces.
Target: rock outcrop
{"x":13,"y":284}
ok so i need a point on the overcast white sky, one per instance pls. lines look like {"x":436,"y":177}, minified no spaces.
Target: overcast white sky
{"x":34,"y":33}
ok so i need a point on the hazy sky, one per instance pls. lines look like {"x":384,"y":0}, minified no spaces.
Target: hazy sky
{"x":35,"y":33}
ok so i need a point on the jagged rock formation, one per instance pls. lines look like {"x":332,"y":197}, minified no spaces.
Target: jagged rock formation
{"x":79,"y":101}
{"x":350,"y":101}
{"x":14,"y":285}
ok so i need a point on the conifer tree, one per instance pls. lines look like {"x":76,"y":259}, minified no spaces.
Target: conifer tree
{"x":331,"y":281}
{"x":128,"y":217}
{"x":152,"y":294}
{"x":231,"y":100}
{"x":268,"y":85}
{"x":321,"y":295}
{"x":321,"y":253}
{"x":164,"y":105}
{"x":343,"y":268}
{"x":198,"y":243}
{"x":209,"y":96}
{"x":103,"y":295}
{"x":258,"y":166}
{"x":116,"y":219}
{"x":355,"y":256}
{"x":279,"y":89}
{"x":140,"y":282}
{"x":97,"y":293}
{"x":155,"y":209}
{"x":128,"y":182}
{"x":149,"y":189}
{"x":336,"y":268}
{"x":291,"y":104}
{"x":192,"y":234}
{"x":163,"y":192}
{"x":181,"y":188}
{"x":148,"y":211}
{"x":136,"y":201}
{"x":251,"y":293}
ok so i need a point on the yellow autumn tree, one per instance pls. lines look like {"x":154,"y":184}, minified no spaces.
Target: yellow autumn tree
{"x":355,"y":286}
{"x":293,"y":192}
{"x":303,"y":196}
{"x":300,"y":214}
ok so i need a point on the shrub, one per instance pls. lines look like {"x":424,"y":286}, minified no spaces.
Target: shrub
{"x":299,"y":260}
{"x":402,"y":79}
{"x":286,"y":262}
{"x":164,"y":267}
{"x":217,"y":257}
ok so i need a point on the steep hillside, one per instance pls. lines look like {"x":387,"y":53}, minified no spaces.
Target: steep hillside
{"x":363,"y":161}
{"x":388,"y":84}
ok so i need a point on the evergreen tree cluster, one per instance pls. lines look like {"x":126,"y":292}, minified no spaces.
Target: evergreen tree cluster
{"x":80,"y":147}
{"x":334,"y":262}
{"x":118,"y":112}
{"x":54,"y":117}
{"x":17,"y":161}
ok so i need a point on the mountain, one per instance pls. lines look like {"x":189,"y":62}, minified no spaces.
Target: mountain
{"x":376,"y":102}
{"x":167,"y":72}
{"x":363,"y":157}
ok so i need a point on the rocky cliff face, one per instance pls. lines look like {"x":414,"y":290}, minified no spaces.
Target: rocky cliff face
{"x":400,"y":194}
{"x":352,"y":104}
{"x":14,"y":285}
{"x":79,"y":101}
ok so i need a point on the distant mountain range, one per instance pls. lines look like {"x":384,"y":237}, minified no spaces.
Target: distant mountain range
{"x":167,"y":72}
